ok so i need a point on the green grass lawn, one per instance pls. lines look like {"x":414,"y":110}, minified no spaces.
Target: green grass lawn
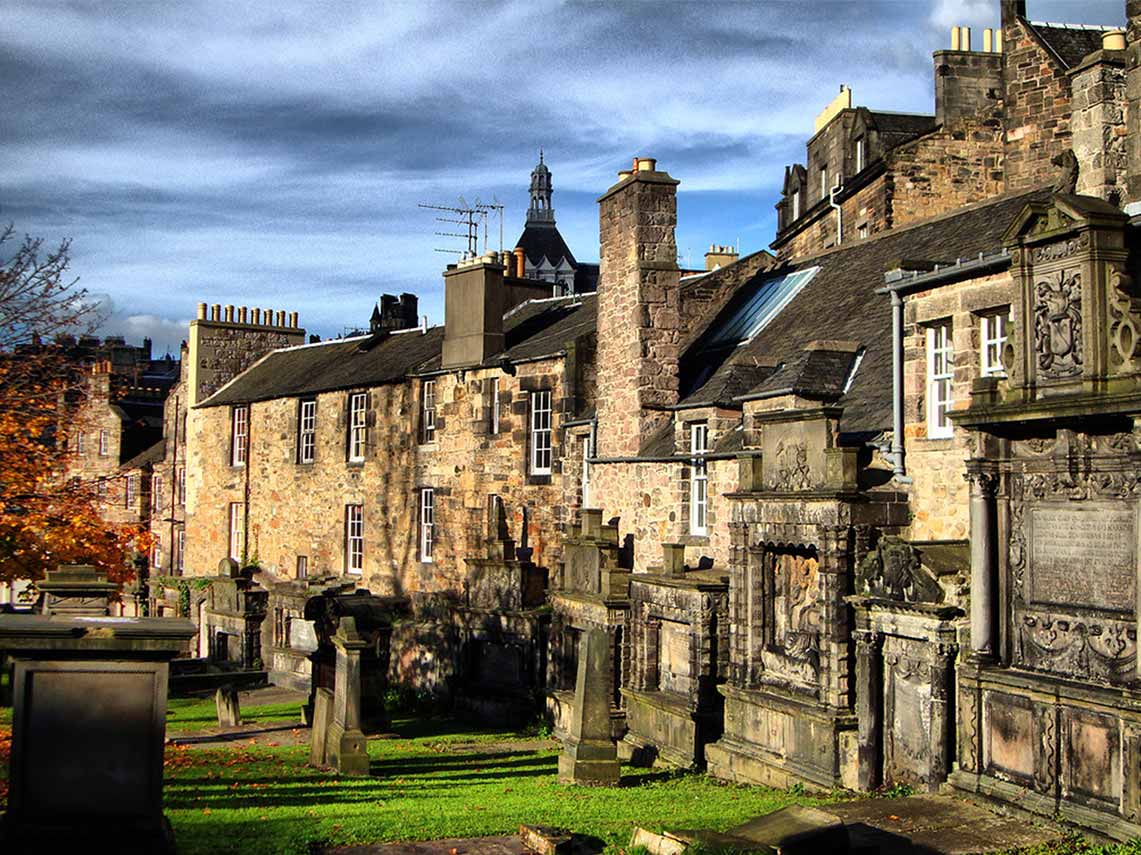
{"x":189,"y":714}
{"x":434,"y":779}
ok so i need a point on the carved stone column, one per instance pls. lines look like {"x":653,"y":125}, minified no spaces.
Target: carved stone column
{"x":835,"y":619}
{"x":984,"y":587}
{"x":869,"y":707}
{"x":942,"y":697}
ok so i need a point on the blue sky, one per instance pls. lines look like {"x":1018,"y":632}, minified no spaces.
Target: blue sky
{"x":274,"y":154}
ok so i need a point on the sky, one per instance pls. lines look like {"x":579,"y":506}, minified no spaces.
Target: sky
{"x":274,"y":154}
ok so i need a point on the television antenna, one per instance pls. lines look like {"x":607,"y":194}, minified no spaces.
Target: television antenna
{"x":465,"y":216}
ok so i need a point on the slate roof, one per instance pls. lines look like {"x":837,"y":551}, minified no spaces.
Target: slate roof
{"x":1071,"y":44}
{"x":898,"y":128}
{"x":542,"y":240}
{"x":534,"y":329}
{"x":819,"y":374}
{"x":153,"y":454}
{"x":840,"y":303}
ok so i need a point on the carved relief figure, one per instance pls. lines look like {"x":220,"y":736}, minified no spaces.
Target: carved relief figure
{"x":793,"y":642}
{"x":893,"y":570}
{"x":1058,"y":324}
{"x":792,"y":467}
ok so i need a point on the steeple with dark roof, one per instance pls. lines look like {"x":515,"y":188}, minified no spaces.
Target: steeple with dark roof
{"x":540,"y":212}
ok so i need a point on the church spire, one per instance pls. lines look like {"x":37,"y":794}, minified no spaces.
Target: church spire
{"x":541,"y":211}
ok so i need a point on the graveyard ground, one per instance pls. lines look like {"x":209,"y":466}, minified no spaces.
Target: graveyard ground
{"x":432,"y":778}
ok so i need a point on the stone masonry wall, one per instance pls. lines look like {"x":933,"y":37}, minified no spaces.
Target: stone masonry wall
{"x":870,"y":206}
{"x":939,"y":494}
{"x":1037,"y":108}
{"x":958,"y":164}
{"x":299,"y":509}
{"x":639,"y":310}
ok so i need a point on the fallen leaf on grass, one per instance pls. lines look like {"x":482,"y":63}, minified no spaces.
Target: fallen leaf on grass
{"x":892,"y":816}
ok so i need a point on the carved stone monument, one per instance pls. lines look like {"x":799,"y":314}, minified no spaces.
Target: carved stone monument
{"x":591,"y":590}
{"x":1049,"y":710}
{"x":88,"y":730}
{"x":235,"y":609}
{"x":589,"y":755}
{"x":676,"y":654}
{"x":346,"y":746}
{"x":75,"y":590}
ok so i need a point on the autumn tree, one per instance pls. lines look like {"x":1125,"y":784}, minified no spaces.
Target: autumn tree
{"x":46,"y":518}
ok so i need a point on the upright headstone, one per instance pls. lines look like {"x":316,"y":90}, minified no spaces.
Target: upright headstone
{"x":88,"y":729}
{"x":229,"y":710}
{"x":346,"y":747}
{"x":589,"y":755}
{"x":319,"y":733}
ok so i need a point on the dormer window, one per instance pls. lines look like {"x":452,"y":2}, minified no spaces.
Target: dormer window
{"x":795,"y":205}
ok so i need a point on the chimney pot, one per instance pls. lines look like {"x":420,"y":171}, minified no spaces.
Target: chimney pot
{"x":988,"y":40}
{"x":201,"y":311}
{"x":520,"y":262}
{"x":1113,"y":40}
{"x":623,"y":174}
{"x":256,"y":316}
{"x":229,"y":314}
{"x":280,"y":318}
{"x":293,"y":320}
{"x":955,"y":39}
{"x":966,"y":38}
{"x":647,"y":164}
{"x":243,"y":315}
{"x":216,"y":312}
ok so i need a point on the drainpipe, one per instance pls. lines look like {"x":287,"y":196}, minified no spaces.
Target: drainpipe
{"x":839,"y":211}
{"x":897,"y":388}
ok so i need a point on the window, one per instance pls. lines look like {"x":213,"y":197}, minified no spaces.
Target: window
{"x":101,"y":488}
{"x":156,"y":493}
{"x":541,"y":432}
{"x":860,"y":155}
{"x":132,"y":490}
{"x":354,"y":538}
{"x":156,"y":552}
{"x":494,"y":428}
{"x":80,"y":442}
{"x":427,"y":523}
{"x":862,"y":231}
{"x":302,"y":566}
{"x":237,"y":531}
{"x":795,"y":205}
{"x":307,"y":432}
{"x":824,"y":182}
{"x":587,"y":451}
{"x":358,"y":409}
{"x":104,"y":440}
{"x":428,"y":411}
{"x":940,"y":373}
{"x":181,"y":485}
{"x":993,"y":342}
{"x":181,"y":554}
{"x":699,"y":482}
{"x":239,"y":435}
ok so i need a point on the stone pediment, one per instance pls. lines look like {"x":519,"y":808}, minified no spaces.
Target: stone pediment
{"x":1041,"y":221}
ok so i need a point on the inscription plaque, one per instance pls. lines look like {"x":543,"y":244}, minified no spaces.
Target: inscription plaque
{"x":1083,"y":556}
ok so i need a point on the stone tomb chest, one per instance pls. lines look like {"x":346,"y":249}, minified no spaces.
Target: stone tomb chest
{"x":676,"y":653}
{"x":235,"y":609}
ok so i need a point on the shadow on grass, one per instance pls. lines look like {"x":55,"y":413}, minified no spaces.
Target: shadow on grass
{"x":426,"y":727}
{"x":233,"y":735}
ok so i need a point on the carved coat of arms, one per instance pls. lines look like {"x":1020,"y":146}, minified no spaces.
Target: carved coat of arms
{"x":1058,"y":324}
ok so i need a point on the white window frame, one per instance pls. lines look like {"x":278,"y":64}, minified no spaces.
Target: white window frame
{"x":354,"y":539}
{"x":156,"y":493}
{"x":182,"y":485}
{"x":427,"y":524}
{"x":699,"y":479}
{"x":181,"y":549}
{"x":940,"y":380}
{"x":79,"y":442}
{"x":795,"y":205}
{"x":156,"y":552}
{"x":239,"y":434}
{"x":428,"y":410}
{"x":302,"y":566}
{"x":494,"y":405}
{"x":237,"y":531}
{"x":358,"y":426}
{"x":994,"y":332}
{"x":860,"y":154}
{"x":541,"y":415}
{"x":587,"y":453}
{"x":824,"y":182}
{"x":130,"y":491}
{"x":104,"y":438}
{"x":307,"y":431}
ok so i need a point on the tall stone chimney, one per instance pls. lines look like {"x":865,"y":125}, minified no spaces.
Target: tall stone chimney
{"x":1010,"y":10}
{"x":639,"y":311}
{"x":1133,"y":109}
{"x":473,"y":311}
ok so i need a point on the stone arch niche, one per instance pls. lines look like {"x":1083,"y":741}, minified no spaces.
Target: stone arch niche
{"x":1049,"y":698}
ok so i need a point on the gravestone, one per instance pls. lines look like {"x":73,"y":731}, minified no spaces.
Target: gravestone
{"x":75,"y":590}
{"x":88,"y":729}
{"x":229,"y":710}
{"x":319,"y":734}
{"x":346,"y":748}
{"x":589,"y":755}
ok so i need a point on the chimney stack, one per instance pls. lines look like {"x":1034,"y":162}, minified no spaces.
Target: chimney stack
{"x":473,"y":311}
{"x":639,"y":311}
